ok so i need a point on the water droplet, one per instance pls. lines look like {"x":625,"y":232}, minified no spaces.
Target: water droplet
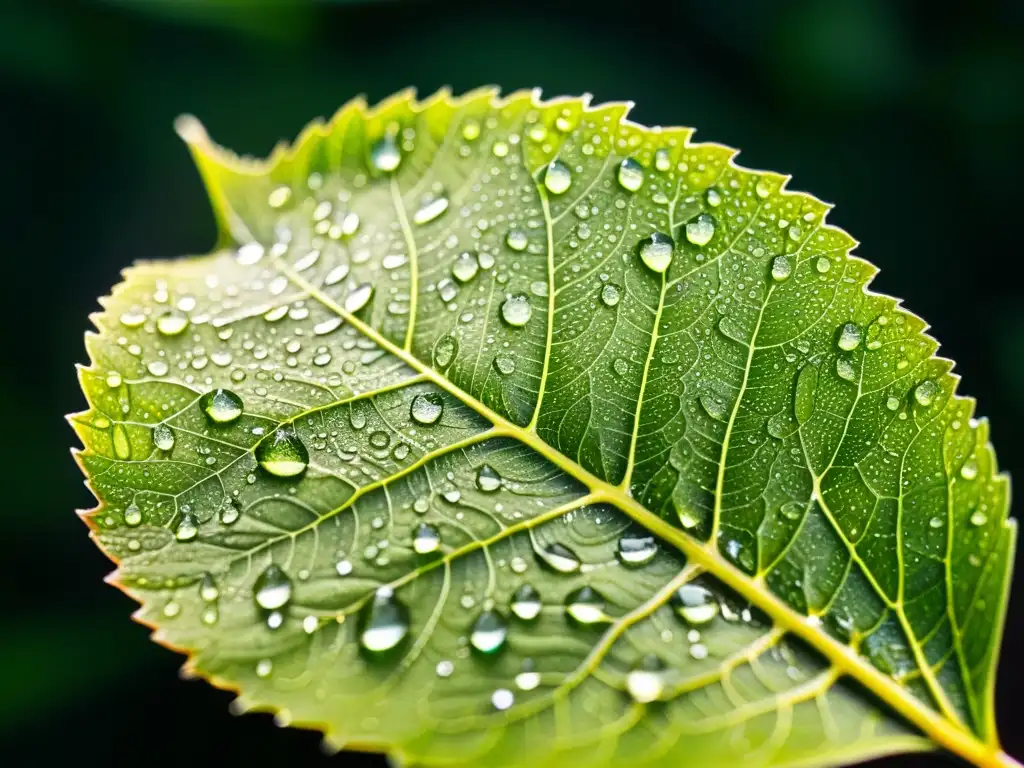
{"x":113,"y":379}
{"x":557,"y":177}
{"x":447,"y":289}
{"x":979,"y":518}
{"x":529,"y":678}
{"x":656,"y":251}
{"x":158,"y":368}
{"x":739,"y":554}
{"x":699,"y":651}
{"x":517,"y":240}
{"x":282,"y":453}
{"x":132,"y":515}
{"x":892,"y":403}
{"x":526,"y":603}
{"x":264,"y":667}
{"x":585,"y":606}
{"x":823,"y":264}
{"x":662,"y":161}
{"x":188,"y":528}
{"x":502,"y":699}
{"x":559,"y":558}
{"x":516,"y":310}
{"x":426,"y":540}
{"x":499,"y":148}
{"x":713,"y":197}
{"x":163,"y":437}
{"x":631,"y":174}
{"x":465,"y":267}
{"x":782,"y":268}
{"x":379,"y":439}
{"x":845,"y":369}
{"x":487,"y":479}
{"x":935,"y":522}
{"x":221,"y":406}
{"x":695,"y":604}
{"x":701,"y":229}
{"x":849,"y":337}
{"x":715,"y":406}
{"x":620,"y":366}
{"x":925,"y":392}
{"x":489,"y":633}
{"x":358,"y":298}
{"x":611,"y":294}
{"x":249,"y":254}
{"x":385,"y":156}
{"x":505,"y":363}
{"x":384,"y":622}
{"x":230,"y":511}
{"x":792,"y":510}
{"x":445,"y":351}
{"x":427,"y":408}
{"x":968,"y":471}
{"x":273,"y":588}
{"x":646,"y":681}
{"x":444,"y":668}
{"x":208,"y":590}
{"x":209,"y":615}
{"x":430,"y":210}
{"x":637,"y":550}
{"x":171,"y":324}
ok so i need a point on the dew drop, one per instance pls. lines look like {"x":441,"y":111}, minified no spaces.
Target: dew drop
{"x":171,"y":324}
{"x":447,"y":290}
{"x":445,"y":351}
{"x":132,"y":515}
{"x":529,"y":678}
{"x":221,"y":406}
{"x":426,"y":540}
{"x":505,"y":363}
{"x":158,"y":368}
{"x":163,"y":437}
{"x":502,"y":699}
{"x":845,"y":369}
{"x":849,"y":337}
{"x":645,"y":682}
{"x":792,"y":510}
{"x":585,"y":606}
{"x":499,"y":148}
{"x":557,"y":177}
{"x":611,"y":294}
{"x":444,"y":668}
{"x":384,"y":622}
{"x":517,"y":240}
{"x":695,"y":604}
{"x":559,"y":558}
{"x":188,"y":528}
{"x":230,"y":511}
{"x":427,"y":408}
{"x":635,"y":551}
{"x":656,"y":251}
{"x":892,"y":403}
{"x":713,"y":197}
{"x":358,"y":298}
{"x":385,"y":156}
{"x":487,"y":479}
{"x":282,"y":453}
{"x":516,"y":310}
{"x":208,"y":590}
{"x":249,"y":254}
{"x":782,"y":268}
{"x":823,"y":264}
{"x":925,"y":392}
{"x":979,"y":518}
{"x":430,"y":210}
{"x":489,"y":633}
{"x":264,"y":667}
{"x":968,"y":471}
{"x":701,"y":229}
{"x":465,"y":267}
{"x":631,"y":174}
{"x":273,"y":588}
{"x":715,"y":406}
{"x":620,"y":366}
{"x":662,"y":161}
{"x":526,"y":603}
{"x":935,"y":522}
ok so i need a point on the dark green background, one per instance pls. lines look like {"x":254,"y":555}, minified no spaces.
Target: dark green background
{"x":908,"y":118}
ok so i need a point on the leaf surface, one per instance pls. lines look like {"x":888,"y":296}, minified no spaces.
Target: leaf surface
{"x":504,"y":432}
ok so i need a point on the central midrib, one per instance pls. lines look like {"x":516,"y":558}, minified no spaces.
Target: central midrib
{"x":942,"y":731}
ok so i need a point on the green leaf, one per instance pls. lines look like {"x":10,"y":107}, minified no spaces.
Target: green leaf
{"x":498,"y":431}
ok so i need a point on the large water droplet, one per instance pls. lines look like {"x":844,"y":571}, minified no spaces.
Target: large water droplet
{"x":516,"y":310}
{"x":489,"y":633}
{"x":273,"y":588}
{"x":559,"y":558}
{"x":792,"y":510}
{"x":384,"y":622}
{"x":502,"y":699}
{"x":695,"y":604}
{"x":132,"y":515}
{"x":188,"y":528}
{"x":426,"y":540}
{"x":221,"y":406}
{"x":968,"y":471}
{"x":505,"y":363}
{"x":282,"y":454}
{"x":646,"y":681}
{"x":445,"y":351}
{"x":715,"y":406}
{"x":631,"y":174}
{"x":529,"y":678}
{"x":430,"y":210}
{"x":849,"y":337}
{"x":465,"y":267}
{"x":845,"y":369}
{"x":427,"y":408}
{"x":163,"y":437}
{"x":487,"y":479}
{"x":557,"y":177}
{"x":823,"y":264}
{"x":782,"y":268}
{"x":635,"y":550}
{"x":701,"y":229}
{"x":585,"y":606}
{"x":517,"y":240}
{"x":171,"y":324}
{"x":385,"y":156}
{"x":230,"y":511}
{"x":526,"y":603}
{"x":208,"y":590}
{"x":925,"y":392}
{"x":611,"y":294}
{"x":713,"y":197}
{"x":978,"y":518}
{"x":358,"y":298}
{"x":656,"y":251}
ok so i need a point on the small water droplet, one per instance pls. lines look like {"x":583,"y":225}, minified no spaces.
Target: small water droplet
{"x":585,"y":606}
{"x":979,"y":518}
{"x":695,"y":604}
{"x":158,"y":368}
{"x":559,"y":558}
{"x":379,"y":439}
{"x":849,"y":337}
{"x":273,"y":588}
{"x":487,"y":479}
{"x":505,"y":363}
{"x":430,"y":210}
{"x":620,"y":366}
{"x":447,"y":289}
{"x":892,"y":403}
{"x":631,"y":174}
{"x":699,"y":651}
{"x":635,"y":550}
{"x":936,"y":522}
{"x":230,"y":511}
{"x":444,"y":668}
{"x":264,"y":667}
{"x":279,"y":196}
{"x":384,"y":622}
{"x":823,"y":264}
{"x":163,"y":437}
{"x":385,"y":157}
{"x":529,"y":678}
{"x":792,"y":510}
{"x":221,"y":406}
{"x":968,"y":471}
{"x":662,"y":160}
{"x":557,"y":177}
{"x":282,"y":453}
{"x":715,"y":406}
{"x":845,"y":369}
{"x":656,"y":251}
{"x":171,"y":324}
{"x":426,"y":540}
{"x":925,"y":392}
{"x":645,"y":682}
{"x":516,"y":310}
{"x":526,"y":603}
{"x":427,"y":408}
{"x":713,"y":197}
{"x":445,"y":351}
{"x":517,"y":240}
{"x":611,"y":294}
{"x":782,"y":268}
{"x":132,"y":515}
{"x":502,"y":699}
{"x":188,"y":528}
{"x":489,"y":633}
{"x":499,"y":148}
{"x":701,"y":229}
{"x":358,"y":298}
{"x":208,"y":590}
{"x":465,"y":267}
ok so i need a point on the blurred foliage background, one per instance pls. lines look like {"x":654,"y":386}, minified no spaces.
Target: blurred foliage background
{"x":908,"y":118}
